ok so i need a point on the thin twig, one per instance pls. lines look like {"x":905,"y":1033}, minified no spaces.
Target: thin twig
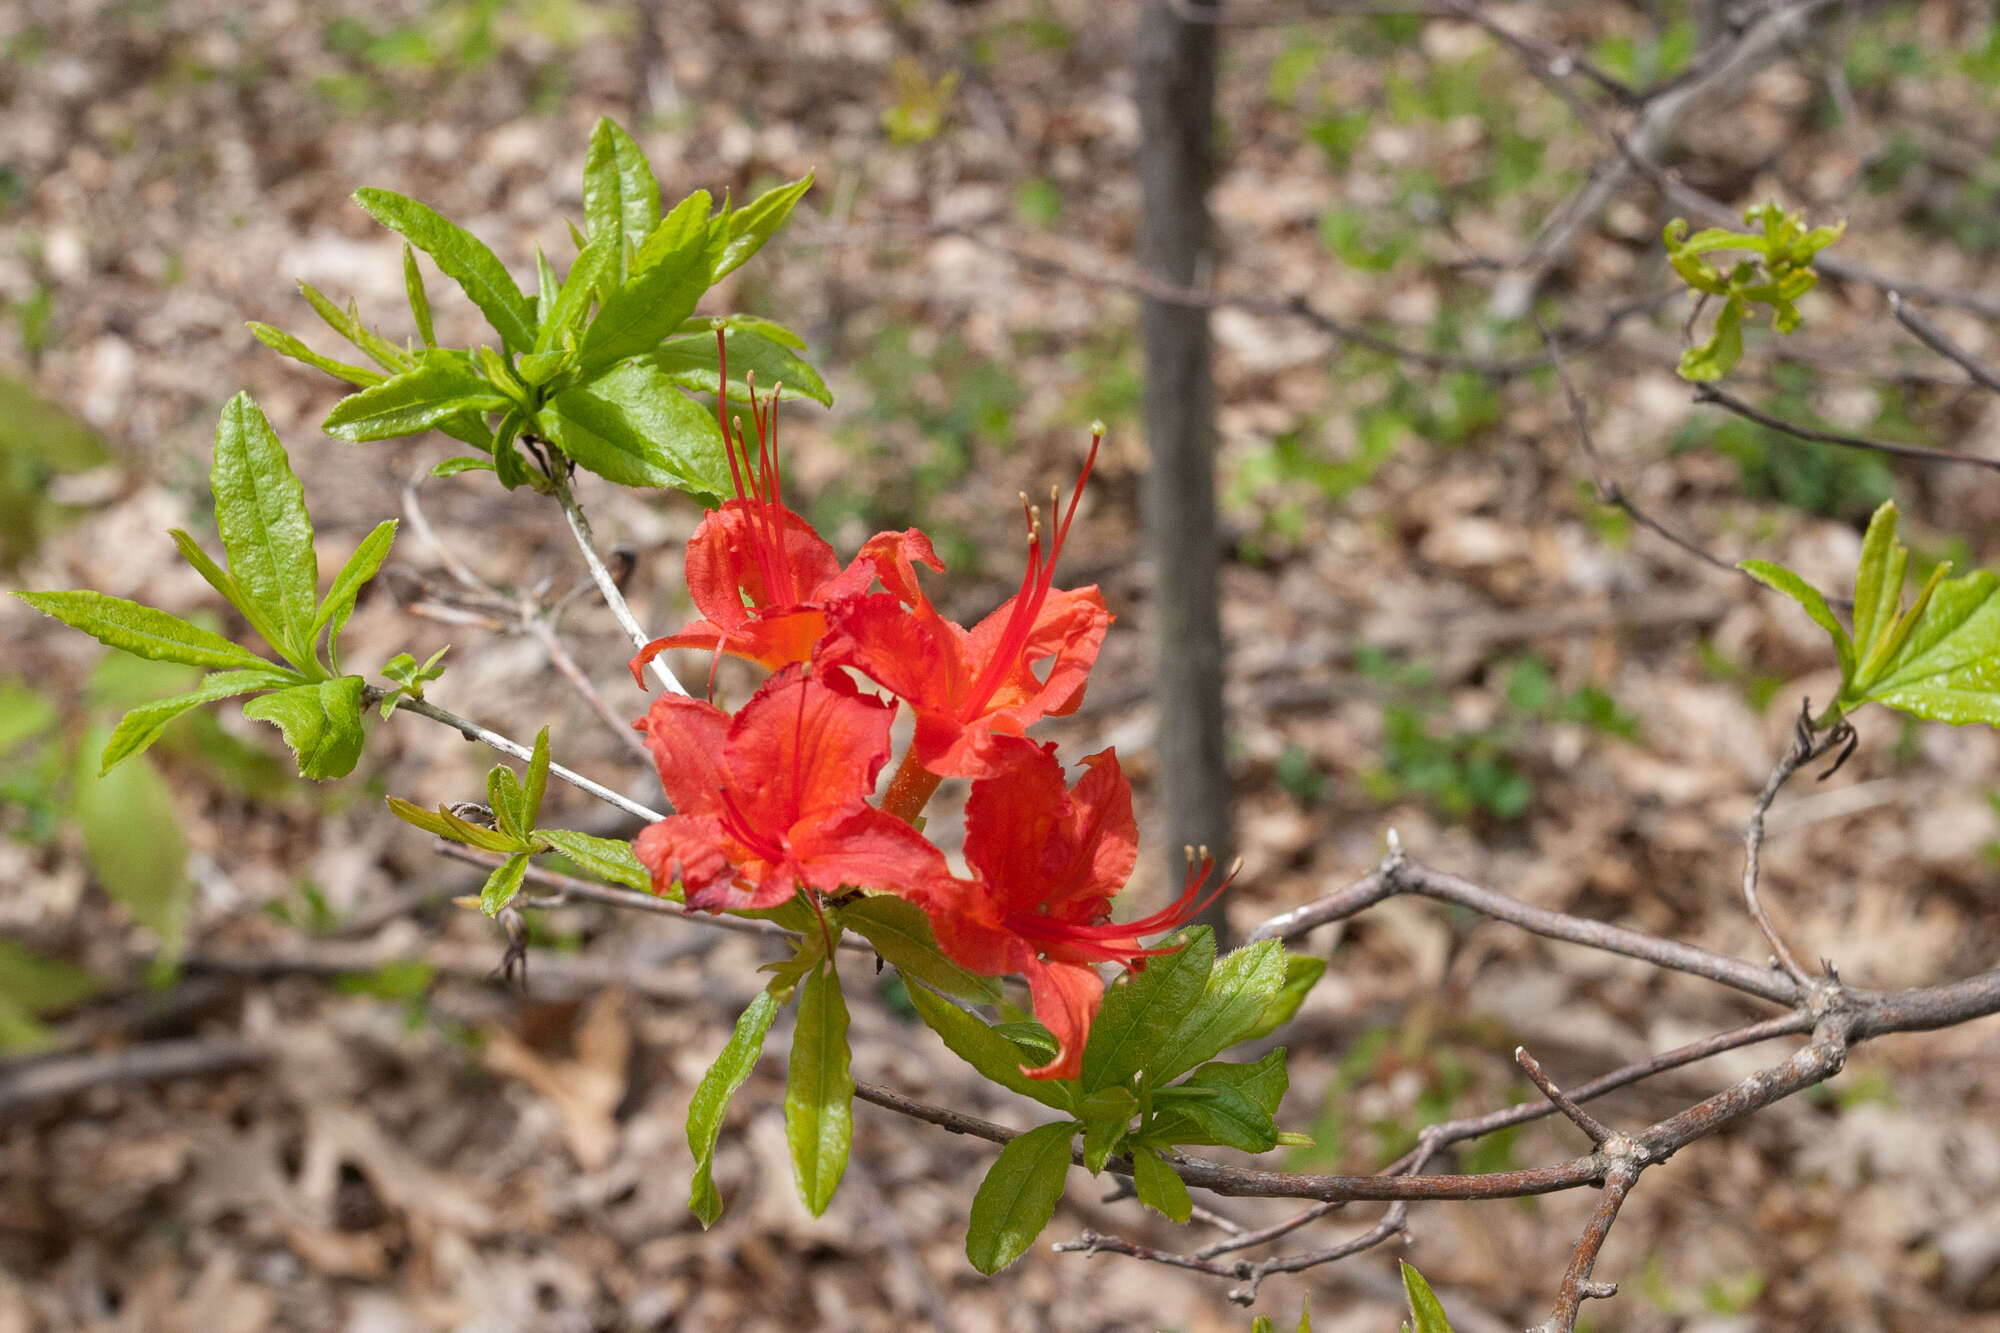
{"x":545,"y":634}
{"x":1805,"y":747}
{"x":607,"y":586}
{"x":1708,"y":393}
{"x":1608,"y":490}
{"x":46,"y":1079}
{"x":1593,"y":1129}
{"x":1397,"y":874}
{"x":1576,"y":1283}
{"x":1940,"y":342}
{"x":569,"y":889}
{"x":472,"y":731}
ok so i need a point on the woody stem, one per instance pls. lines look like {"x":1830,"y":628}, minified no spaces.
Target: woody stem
{"x":910,"y":790}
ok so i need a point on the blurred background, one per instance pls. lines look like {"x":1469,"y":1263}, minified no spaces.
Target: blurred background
{"x":256,"y":1071}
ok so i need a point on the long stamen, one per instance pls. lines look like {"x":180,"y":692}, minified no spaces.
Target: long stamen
{"x":1036,"y":583}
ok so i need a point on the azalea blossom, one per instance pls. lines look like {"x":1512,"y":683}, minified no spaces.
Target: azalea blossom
{"x":1046,"y":861}
{"x":774,"y":799}
{"x":760,"y":575}
{"x":1026,"y":661}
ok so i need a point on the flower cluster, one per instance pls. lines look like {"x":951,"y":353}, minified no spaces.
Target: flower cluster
{"x":774,"y":801}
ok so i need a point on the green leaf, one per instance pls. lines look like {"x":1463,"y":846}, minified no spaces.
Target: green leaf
{"x":260,"y":508}
{"x":900,"y":932}
{"x":348,"y":325}
{"x":451,"y":467}
{"x":430,"y":821}
{"x":757,"y":324}
{"x":1018,"y":1196}
{"x":445,"y":824}
{"x":347,"y":585}
{"x":142,"y":631}
{"x":689,"y":360}
{"x":232,"y":592}
{"x":142,"y":726}
{"x":441,"y":386}
{"x":508,"y":803}
{"x":1106,"y":1115}
{"x":503,"y":884}
{"x":1878,"y":580}
{"x":1231,"y":1006}
{"x":508,"y":463}
{"x":42,"y":985}
{"x":460,"y":256}
{"x":1718,"y":356}
{"x":607,"y":858}
{"x":633,"y":427}
{"x":1424,"y":1308}
{"x":286,"y":345}
{"x":1199,"y":1113}
{"x":754,"y":223}
{"x":538,"y":778}
{"x":621,"y":200}
{"x":1159,"y":1187}
{"x":986,"y":1050}
{"x":1302,"y":973}
{"x":420,"y":301}
{"x":321,"y":723}
{"x":819,"y":1091}
{"x":668,"y":277}
{"x":1264,"y":1082}
{"x":134,"y":842}
{"x":711,"y":1100}
{"x":1796,"y":588}
{"x":1141,"y":1009}
{"x":565,"y":313}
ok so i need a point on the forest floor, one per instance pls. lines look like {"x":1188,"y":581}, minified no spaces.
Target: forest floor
{"x":1434,"y":628}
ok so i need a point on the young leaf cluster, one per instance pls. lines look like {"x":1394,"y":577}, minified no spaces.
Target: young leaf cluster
{"x":515,"y":809}
{"x":1777,"y":274}
{"x":1937,"y":658}
{"x":271,"y":578}
{"x":594,"y":364}
{"x":1150,"y":1081}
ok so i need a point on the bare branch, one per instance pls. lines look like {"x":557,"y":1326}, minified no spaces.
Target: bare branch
{"x":1576,"y":1283}
{"x":579,"y":527}
{"x":472,"y":731}
{"x":1708,"y":393}
{"x":1805,"y":748}
{"x":39,"y":1080}
{"x":1593,"y":1129}
{"x":1396,"y":874}
{"x":1608,"y":490}
{"x":569,"y":889}
{"x":1940,"y":342}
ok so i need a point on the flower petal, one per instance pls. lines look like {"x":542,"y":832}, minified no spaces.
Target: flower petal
{"x":690,"y":848}
{"x":686,"y":737}
{"x":739,"y":559}
{"x":1066,"y":999}
{"x":801,"y":750}
{"x":866,"y":848}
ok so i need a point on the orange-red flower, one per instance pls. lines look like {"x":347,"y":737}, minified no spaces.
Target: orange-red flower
{"x":1047,"y":860}
{"x":1026,"y":661}
{"x":775,"y":798}
{"x":759,"y":574}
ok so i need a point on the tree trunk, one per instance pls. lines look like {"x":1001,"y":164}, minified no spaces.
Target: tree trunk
{"x":1176,"y":65}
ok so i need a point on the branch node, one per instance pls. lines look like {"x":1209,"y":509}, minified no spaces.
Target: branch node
{"x":1597,"y":1291}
